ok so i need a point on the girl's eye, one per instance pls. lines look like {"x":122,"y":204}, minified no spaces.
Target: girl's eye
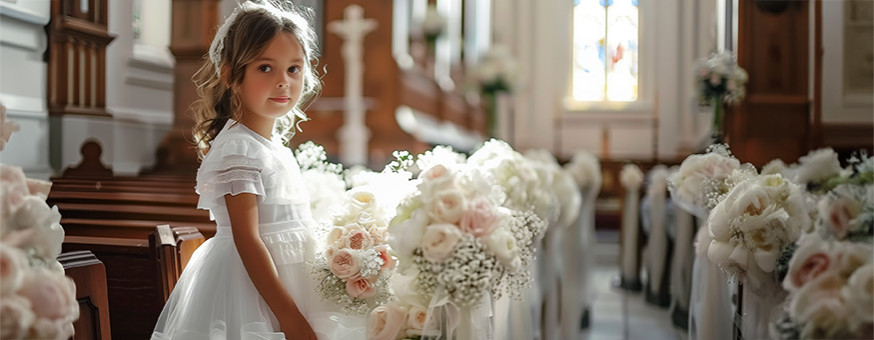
{"x":294,"y":69}
{"x":265,"y":68}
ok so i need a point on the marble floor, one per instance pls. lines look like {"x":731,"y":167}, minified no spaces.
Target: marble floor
{"x":618,"y":314}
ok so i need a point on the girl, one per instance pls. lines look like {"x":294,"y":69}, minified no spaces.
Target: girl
{"x":250,"y":281}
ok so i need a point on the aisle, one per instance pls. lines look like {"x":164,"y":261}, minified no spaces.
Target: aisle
{"x":613,"y":321}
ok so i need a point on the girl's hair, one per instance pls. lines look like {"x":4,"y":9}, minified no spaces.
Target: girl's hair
{"x":237,"y":43}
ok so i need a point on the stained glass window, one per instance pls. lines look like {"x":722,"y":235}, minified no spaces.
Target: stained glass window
{"x":605,"y":55}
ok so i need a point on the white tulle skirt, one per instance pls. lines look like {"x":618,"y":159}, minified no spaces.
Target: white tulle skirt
{"x":215,"y":299}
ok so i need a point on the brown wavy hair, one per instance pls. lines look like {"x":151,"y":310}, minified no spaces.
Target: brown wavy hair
{"x":246,"y":39}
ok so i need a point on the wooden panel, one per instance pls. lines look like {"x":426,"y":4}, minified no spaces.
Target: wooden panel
{"x":89,"y":274}
{"x":773,"y":122}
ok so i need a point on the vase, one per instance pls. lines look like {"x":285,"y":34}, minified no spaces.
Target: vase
{"x":718,"y":119}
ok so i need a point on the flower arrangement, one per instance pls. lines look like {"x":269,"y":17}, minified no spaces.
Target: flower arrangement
{"x":758,"y":218}
{"x":36,"y":299}
{"x":355,"y":268}
{"x":495,"y":73}
{"x":454,"y":237}
{"x":324,"y":180}
{"x":585,"y":169}
{"x":721,"y":82}
{"x":702,"y":179}
{"x":433,"y":24}
{"x":829,"y":285}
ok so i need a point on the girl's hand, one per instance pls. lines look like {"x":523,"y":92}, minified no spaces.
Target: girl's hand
{"x":297,"y":328}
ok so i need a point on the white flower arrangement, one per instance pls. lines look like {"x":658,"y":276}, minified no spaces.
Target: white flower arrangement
{"x":817,"y":167}
{"x":6,"y":127}
{"x":631,"y":177}
{"x":829,"y":285}
{"x":701,"y":179}
{"x":36,"y":299}
{"x":433,"y":23}
{"x":497,"y":71}
{"x":324,"y":180}
{"x":721,"y":79}
{"x":525,"y":182}
{"x":585,"y":169}
{"x":356,"y":266}
{"x":453,"y":237}
{"x":847,"y":212}
{"x":751,"y":226}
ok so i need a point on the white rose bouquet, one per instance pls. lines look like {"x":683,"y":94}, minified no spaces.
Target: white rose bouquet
{"x":702,"y":179}
{"x":829,"y":285}
{"x":36,"y":299}
{"x":355,"y":268}
{"x":721,"y":82}
{"x":751,"y":226}
{"x":456,"y":240}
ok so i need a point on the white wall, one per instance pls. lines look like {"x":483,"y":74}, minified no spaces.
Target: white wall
{"x":23,"y":84}
{"x":838,"y":106}
{"x":139,"y":88}
{"x":665,"y":123}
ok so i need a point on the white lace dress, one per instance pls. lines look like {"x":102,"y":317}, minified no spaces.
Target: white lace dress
{"x":214,"y":298}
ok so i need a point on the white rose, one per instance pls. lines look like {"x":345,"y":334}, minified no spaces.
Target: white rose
{"x":418,"y":320}
{"x":52,"y":295}
{"x":859,"y":294}
{"x":439,"y":241}
{"x":502,"y":244}
{"x":406,"y":236}
{"x":386,"y":322}
{"x":817,"y":165}
{"x":16,"y":317}
{"x":335,"y":236}
{"x":435,"y":179}
{"x":360,"y":200}
{"x":819,"y":305}
{"x":13,"y":266}
{"x":447,"y":206}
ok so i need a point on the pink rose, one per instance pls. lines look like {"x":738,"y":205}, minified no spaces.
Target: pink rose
{"x":358,"y":238}
{"x":480,"y":218}
{"x":361,"y":287}
{"x":344,"y":265}
{"x":330,"y":252}
{"x":386,"y":322}
{"x":380,"y":235}
{"x":13,"y":266}
{"x":814,"y":265}
{"x":16,"y":317}
{"x":52,"y":295}
{"x":446,"y":206}
{"x":388,"y":262}
{"x":842,"y":211}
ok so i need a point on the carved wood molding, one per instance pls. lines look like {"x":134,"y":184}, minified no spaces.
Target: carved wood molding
{"x":78,"y":36}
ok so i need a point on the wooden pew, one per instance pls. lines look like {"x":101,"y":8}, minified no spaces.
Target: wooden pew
{"x":89,"y":274}
{"x":138,"y":274}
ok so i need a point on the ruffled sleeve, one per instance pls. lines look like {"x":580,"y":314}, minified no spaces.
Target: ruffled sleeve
{"x":232,"y":166}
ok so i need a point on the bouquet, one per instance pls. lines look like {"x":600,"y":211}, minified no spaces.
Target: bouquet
{"x":36,"y":299}
{"x":702,"y":179}
{"x":721,"y":81}
{"x":758,"y":218}
{"x":457,"y":240}
{"x":355,"y":268}
{"x":829,"y":285}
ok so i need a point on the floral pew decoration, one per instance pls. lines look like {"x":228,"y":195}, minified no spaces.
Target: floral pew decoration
{"x":36,"y":300}
{"x":458,"y":249}
{"x":830,"y":273}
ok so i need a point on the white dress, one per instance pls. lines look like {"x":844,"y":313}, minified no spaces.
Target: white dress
{"x":214,"y":298}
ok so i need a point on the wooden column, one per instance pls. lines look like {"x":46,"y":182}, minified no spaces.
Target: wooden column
{"x":78,"y":35}
{"x":774,"y":119}
{"x":193,"y":27}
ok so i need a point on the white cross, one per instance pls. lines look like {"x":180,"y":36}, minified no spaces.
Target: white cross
{"x":353,"y":134}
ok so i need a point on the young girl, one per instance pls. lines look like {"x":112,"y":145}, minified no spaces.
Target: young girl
{"x":250,"y":281}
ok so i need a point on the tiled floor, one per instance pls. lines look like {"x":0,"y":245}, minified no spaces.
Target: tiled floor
{"x":618,"y":314}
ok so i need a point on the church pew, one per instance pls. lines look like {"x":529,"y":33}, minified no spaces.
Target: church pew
{"x":133,"y":212}
{"x":112,"y":187}
{"x":139,"y":272}
{"x":161,"y":199}
{"x":89,"y":274}
{"x":138,"y":229}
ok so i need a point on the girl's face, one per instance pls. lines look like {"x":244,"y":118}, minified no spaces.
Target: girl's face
{"x":273,"y":81}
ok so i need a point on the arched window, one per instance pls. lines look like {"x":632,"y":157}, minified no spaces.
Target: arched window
{"x":606,"y":40}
